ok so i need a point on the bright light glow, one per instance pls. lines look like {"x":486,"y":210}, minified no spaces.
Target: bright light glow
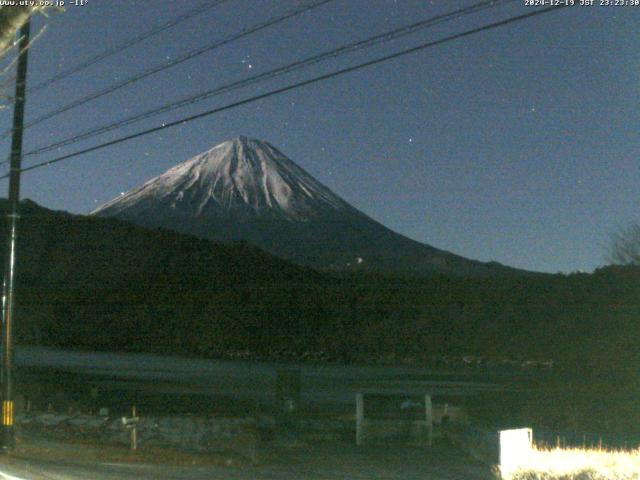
{"x":515,"y":449}
{"x":6,"y":476}
{"x":594,"y":464}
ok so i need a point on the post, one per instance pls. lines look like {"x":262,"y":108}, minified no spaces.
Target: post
{"x":359,"y":419}
{"x":131,"y":423}
{"x":7,"y":438}
{"x":134,"y":431}
{"x":428,"y":414}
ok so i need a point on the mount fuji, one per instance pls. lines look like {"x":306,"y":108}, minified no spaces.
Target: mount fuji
{"x":246,"y":189}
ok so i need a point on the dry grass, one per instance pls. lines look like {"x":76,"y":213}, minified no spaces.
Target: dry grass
{"x":577,"y":464}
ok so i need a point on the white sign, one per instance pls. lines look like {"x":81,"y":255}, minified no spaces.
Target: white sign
{"x":515,"y":449}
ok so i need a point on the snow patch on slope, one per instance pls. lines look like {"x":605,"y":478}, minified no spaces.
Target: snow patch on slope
{"x":236,"y":175}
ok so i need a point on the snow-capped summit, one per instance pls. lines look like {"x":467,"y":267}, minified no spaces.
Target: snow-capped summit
{"x":243,"y":176}
{"x":246,"y":189}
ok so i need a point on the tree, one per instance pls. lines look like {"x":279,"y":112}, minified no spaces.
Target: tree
{"x":11,"y":19}
{"x":625,"y":246}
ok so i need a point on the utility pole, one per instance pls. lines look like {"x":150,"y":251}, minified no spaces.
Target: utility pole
{"x":7,"y":438}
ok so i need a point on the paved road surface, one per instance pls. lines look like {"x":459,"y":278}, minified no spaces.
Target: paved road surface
{"x":330,"y":462}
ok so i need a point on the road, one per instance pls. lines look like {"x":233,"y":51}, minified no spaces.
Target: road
{"x":329,"y":462}
{"x":322,"y":384}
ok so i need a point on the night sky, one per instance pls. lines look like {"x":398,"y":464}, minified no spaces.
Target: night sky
{"x":518,"y":145}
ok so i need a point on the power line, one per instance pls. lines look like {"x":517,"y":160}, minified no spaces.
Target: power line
{"x":125,"y":45}
{"x":349,"y":48}
{"x":294,"y":86}
{"x":173,"y":63}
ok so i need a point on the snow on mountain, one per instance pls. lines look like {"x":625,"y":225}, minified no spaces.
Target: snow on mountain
{"x":244,"y":176}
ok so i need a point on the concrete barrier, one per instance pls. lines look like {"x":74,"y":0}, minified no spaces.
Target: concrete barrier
{"x":196,"y":434}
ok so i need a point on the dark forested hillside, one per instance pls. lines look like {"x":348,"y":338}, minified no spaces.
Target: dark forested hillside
{"x":102,"y":283}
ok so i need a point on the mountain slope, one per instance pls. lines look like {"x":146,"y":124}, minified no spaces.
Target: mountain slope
{"x":246,"y":189}
{"x":100,"y":283}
